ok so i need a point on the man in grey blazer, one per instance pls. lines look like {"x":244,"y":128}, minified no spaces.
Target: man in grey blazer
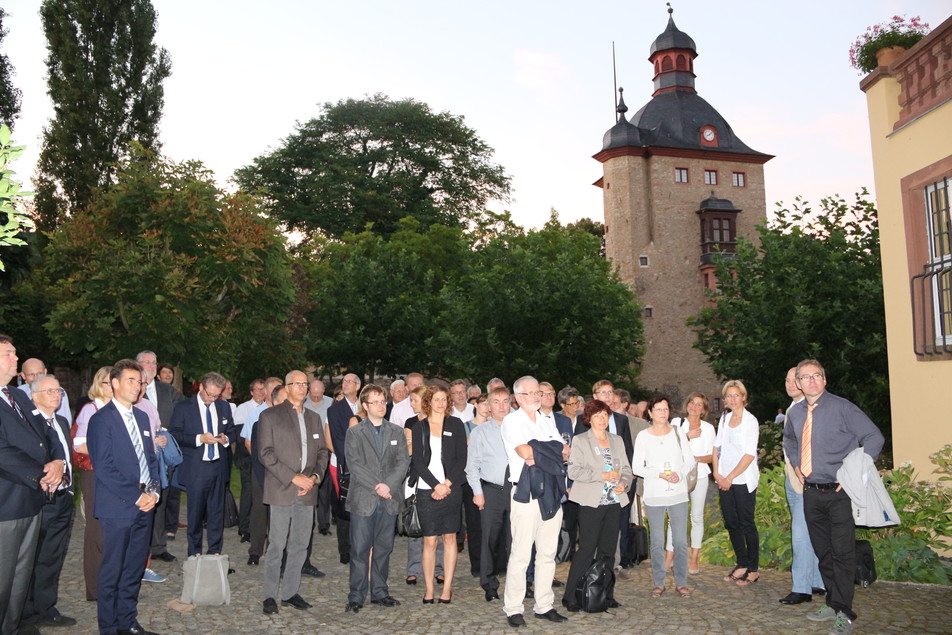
{"x":292,"y":450}
{"x":377,"y":455}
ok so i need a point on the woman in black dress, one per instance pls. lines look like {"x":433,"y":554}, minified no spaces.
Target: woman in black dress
{"x":438,"y":462}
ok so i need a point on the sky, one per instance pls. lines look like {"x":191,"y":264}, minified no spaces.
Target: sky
{"x":533,"y":79}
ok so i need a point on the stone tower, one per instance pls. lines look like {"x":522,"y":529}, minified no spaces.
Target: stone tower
{"x":678,"y":186}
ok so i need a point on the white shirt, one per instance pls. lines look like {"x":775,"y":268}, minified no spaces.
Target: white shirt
{"x":650,"y":454}
{"x":436,"y":462}
{"x":401,"y":411}
{"x":150,"y":392}
{"x":734,"y":443}
{"x":518,"y":429}
{"x":63,"y":442}
{"x":702,"y":445}
{"x":468,"y":413}
{"x":215,"y":429}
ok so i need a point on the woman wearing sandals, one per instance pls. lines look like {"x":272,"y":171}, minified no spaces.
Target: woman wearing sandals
{"x":439,"y":460}
{"x":737,"y":475}
{"x":700,"y":434}
{"x":663,"y":459}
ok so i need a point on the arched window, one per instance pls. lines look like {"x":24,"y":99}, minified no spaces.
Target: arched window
{"x":682,"y":63}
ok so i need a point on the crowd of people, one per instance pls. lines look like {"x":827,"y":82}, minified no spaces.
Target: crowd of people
{"x":501,"y":472}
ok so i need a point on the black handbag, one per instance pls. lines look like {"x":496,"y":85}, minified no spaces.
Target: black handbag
{"x":410,"y":519}
{"x":638,"y":537}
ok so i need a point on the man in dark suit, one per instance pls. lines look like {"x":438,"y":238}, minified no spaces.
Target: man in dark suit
{"x":204,"y":428}
{"x":338,"y":420}
{"x":31,"y":466}
{"x":164,"y":396}
{"x":292,"y":449}
{"x":378,"y":463}
{"x":55,"y":520}
{"x":127,"y":476}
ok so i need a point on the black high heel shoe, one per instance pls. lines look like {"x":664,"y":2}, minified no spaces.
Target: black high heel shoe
{"x":442,"y":601}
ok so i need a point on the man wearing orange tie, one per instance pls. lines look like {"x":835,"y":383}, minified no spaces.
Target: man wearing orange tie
{"x":820,"y":431}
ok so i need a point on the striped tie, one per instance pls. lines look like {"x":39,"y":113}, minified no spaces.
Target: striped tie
{"x":806,"y":443}
{"x":133,"y":429}
{"x":13,"y":403}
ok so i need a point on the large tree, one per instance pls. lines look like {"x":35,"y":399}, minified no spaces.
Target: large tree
{"x":165,"y":260}
{"x":376,"y":160}
{"x":10,"y":95}
{"x":812,"y":288}
{"x":544,"y":303}
{"x":105,"y":78}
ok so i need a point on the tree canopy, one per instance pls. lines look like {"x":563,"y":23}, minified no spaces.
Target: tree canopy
{"x":105,"y":78}
{"x":14,"y":220}
{"x":10,"y":95}
{"x":375,"y":161}
{"x":812,"y":288}
{"x":164,"y":260}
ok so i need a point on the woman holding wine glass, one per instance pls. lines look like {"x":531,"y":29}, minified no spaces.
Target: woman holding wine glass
{"x":664,"y":459}
{"x":602,"y":477}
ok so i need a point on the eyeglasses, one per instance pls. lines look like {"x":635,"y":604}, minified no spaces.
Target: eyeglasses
{"x":379,"y":402}
{"x":534,"y":393}
{"x":572,"y":404}
{"x":351,"y":381}
{"x":548,"y":394}
{"x":51,"y":391}
{"x":297,"y":383}
{"x":134,"y":382}
{"x":814,"y":377}
{"x":605,"y":392}
{"x":211,"y":396}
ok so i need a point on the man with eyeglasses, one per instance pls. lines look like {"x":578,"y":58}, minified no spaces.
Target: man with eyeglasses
{"x":204,"y":429}
{"x":529,"y":526}
{"x":821,"y":430}
{"x":29,"y":371}
{"x":293,"y":451}
{"x":40,"y":608}
{"x":127,"y":474}
{"x":378,"y":460}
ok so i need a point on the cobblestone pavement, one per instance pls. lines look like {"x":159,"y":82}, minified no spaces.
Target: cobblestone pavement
{"x":716,"y":607}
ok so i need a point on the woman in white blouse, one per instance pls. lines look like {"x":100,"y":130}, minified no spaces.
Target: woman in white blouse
{"x":736,"y":475}
{"x":663,"y":459}
{"x":700,"y":435}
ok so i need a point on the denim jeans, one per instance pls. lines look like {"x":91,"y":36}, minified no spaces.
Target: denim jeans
{"x":806,"y":567}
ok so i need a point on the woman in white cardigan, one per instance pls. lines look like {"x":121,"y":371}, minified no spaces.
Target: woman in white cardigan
{"x":737,"y":476}
{"x":664,"y":459}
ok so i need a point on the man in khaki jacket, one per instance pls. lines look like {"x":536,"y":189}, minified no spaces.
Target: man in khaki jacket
{"x":293,"y":452}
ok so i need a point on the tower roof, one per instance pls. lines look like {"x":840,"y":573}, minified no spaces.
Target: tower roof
{"x":672,"y":38}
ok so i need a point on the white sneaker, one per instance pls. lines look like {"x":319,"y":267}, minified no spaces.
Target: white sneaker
{"x":151,"y":576}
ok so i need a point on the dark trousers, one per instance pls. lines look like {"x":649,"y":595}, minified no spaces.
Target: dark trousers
{"x":120,"y":575}
{"x":374,"y":532}
{"x":829,"y":516}
{"x":206,"y":506}
{"x":92,"y":535}
{"x":474,"y":532}
{"x":343,"y":528}
{"x":159,"y":530}
{"x":172,"y":505}
{"x":570,"y":522}
{"x":496,"y":535}
{"x":258,"y":523}
{"x":244,"y":501}
{"x":55,"y":523}
{"x":737,"y":507}
{"x":598,"y":536}
{"x":625,"y":554}
{"x":18,"y":539}
{"x":325,"y":498}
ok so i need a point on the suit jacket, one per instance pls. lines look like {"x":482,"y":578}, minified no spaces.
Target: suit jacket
{"x":167,"y":395}
{"x":114,"y":461}
{"x":586,"y":466}
{"x":453,"y":451}
{"x":188,"y":421}
{"x":622,"y":428}
{"x":26,"y":445}
{"x":64,"y":426}
{"x":279,"y":450}
{"x":367,"y":467}
{"x":338,"y":418}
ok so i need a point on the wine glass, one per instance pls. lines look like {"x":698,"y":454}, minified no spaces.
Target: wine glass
{"x":667,"y":472}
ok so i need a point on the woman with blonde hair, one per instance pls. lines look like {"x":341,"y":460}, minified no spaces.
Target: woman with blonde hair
{"x":100,"y":393}
{"x":737,"y":476}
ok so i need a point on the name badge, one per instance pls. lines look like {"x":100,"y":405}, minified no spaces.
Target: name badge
{"x":447,"y":433}
{"x":224,"y":421}
{"x":393,"y":442}
{"x":316,"y":436}
{"x":146,"y":433}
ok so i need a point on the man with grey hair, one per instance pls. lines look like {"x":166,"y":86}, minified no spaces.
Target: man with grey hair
{"x":522,"y":432}
{"x":29,"y":371}
{"x":316,"y":399}
{"x":403,"y":410}
{"x":293,"y":451}
{"x":204,"y":428}
{"x":473,"y":392}
{"x":398,"y":393}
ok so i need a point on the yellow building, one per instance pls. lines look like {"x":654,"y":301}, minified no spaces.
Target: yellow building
{"x":910,"y":123}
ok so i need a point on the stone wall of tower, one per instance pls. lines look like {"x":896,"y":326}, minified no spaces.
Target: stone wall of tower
{"x":648,"y":215}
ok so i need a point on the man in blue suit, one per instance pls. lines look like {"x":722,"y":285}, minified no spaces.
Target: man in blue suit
{"x":127,"y":483}
{"x":31,"y":465}
{"x":204,"y":428}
